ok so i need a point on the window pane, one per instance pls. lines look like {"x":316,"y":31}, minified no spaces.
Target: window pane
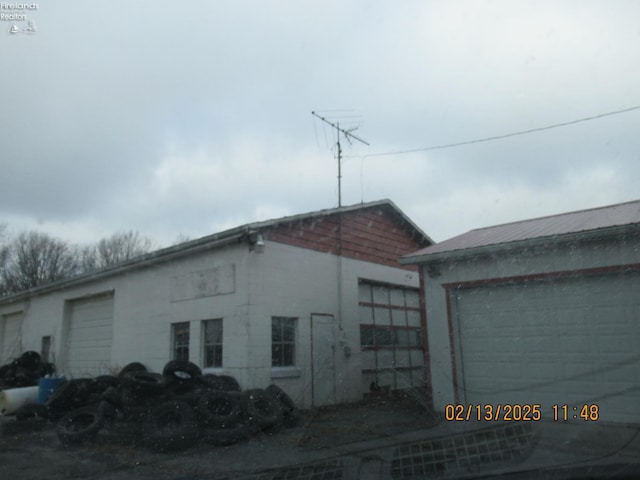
{"x":217,"y":359}
{"x":383,"y":336}
{"x":397,"y":297}
{"x":402,"y":336}
{"x":180,"y":340}
{"x":364,"y":293}
{"x":212,"y":343}
{"x":276,"y":330}
{"x":399,"y":317}
{"x":213,"y":331}
{"x":382,"y":316}
{"x":288,"y":355}
{"x":276,"y":355}
{"x":288,"y":331}
{"x":366,"y":335}
{"x":381,"y":295}
{"x":413,"y":298}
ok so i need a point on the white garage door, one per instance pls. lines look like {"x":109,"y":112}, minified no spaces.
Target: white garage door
{"x":570,"y":342}
{"x":90,"y":336}
{"x":10,"y":337}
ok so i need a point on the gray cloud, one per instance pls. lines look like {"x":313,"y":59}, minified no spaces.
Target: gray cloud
{"x":187,"y":118}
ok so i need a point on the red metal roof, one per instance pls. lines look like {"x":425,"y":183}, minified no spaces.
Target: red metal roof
{"x":551,"y":226}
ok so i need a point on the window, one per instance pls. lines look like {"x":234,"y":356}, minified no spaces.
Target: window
{"x":180,"y":341}
{"x":283,"y":346}
{"x":212,"y":343}
{"x":45,"y":348}
{"x":376,"y":336}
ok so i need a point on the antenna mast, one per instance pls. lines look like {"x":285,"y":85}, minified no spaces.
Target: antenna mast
{"x":348,"y":135}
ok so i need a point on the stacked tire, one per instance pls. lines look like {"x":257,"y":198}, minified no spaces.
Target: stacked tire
{"x":24,"y":371}
{"x":172,"y":410}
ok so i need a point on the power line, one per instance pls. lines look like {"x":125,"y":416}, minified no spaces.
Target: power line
{"x":499,"y":137}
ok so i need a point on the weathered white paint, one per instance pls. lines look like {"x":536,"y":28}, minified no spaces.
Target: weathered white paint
{"x":244,"y":288}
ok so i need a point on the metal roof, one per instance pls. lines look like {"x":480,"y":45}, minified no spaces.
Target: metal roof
{"x":553,"y":226}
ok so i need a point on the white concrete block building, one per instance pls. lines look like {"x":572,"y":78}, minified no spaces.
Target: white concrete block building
{"x":543,"y":311}
{"x":316,"y":303}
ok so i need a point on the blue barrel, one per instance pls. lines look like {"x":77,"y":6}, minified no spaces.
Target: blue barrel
{"x":46,"y":386}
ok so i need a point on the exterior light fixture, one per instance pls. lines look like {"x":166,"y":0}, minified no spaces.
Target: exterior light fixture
{"x":259,"y":245}
{"x":256,"y":242}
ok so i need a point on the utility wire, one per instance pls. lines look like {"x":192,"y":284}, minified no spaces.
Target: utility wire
{"x":499,"y":137}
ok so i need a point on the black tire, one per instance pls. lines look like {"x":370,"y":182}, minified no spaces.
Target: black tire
{"x":70,"y":395}
{"x":62,"y":397}
{"x":78,"y":426}
{"x":113,"y":396}
{"x":170,"y":426}
{"x":30,"y":410}
{"x":226,"y":436}
{"x":26,"y":377}
{"x":135,"y":399}
{"x":122,"y":429}
{"x":229,"y":383}
{"x":144,"y":382}
{"x":102,"y":382}
{"x":185,"y":392}
{"x":290,"y":414}
{"x":132,"y":367}
{"x":107,"y":410}
{"x":219,"y":409}
{"x":276,"y":392}
{"x":209,"y":381}
{"x":29,"y":360}
{"x":262,"y":411}
{"x":181,"y":371}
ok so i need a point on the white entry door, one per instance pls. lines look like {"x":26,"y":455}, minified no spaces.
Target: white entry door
{"x":323,"y":345}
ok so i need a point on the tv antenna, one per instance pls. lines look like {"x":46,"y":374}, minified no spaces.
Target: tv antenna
{"x":348,"y":135}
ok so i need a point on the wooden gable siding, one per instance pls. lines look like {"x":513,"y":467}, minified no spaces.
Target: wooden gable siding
{"x":372,"y":235}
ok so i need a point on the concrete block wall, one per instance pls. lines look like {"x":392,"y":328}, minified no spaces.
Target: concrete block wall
{"x":282,"y":281}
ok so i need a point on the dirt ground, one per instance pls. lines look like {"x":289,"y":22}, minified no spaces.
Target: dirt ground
{"x":30,"y":449}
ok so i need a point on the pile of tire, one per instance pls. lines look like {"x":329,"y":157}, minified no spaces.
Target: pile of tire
{"x":169,"y":411}
{"x":24,"y":371}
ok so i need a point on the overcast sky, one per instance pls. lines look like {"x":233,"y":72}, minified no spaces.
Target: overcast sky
{"x":191,"y":117}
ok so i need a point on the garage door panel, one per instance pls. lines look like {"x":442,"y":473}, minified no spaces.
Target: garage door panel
{"x":552,"y":342}
{"x":10,"y":326}
{"x":90,"y":335}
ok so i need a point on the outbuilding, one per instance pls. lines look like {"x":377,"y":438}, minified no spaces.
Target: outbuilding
{"x":537,"y":312}
{"x":316,"y":303}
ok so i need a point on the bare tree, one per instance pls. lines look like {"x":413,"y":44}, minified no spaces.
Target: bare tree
{"x":4,"y":254}
{"x":117,"y":248}
{"x":32,"y":258}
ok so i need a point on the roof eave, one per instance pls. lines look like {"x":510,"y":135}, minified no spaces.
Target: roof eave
{"x":520,"y":244}
{"x":159,"y":256}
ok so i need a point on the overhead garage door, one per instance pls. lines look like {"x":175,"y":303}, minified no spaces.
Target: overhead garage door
{"x":10,"y":336}
{"x":572,"y":341}
{"x":90,"y":336}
